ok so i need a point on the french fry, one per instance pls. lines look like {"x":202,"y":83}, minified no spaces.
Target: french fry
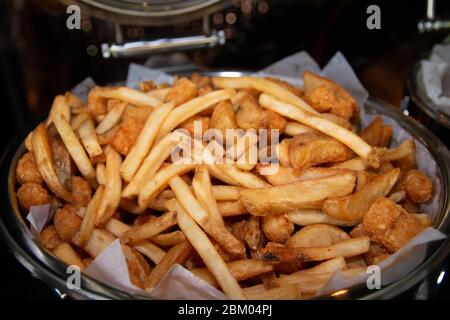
{"x":177,"y":254}
{"x":295,"y":128}
{"x":311,"y":217}
{"x":404,"y":149}
{"x":216,"y":230}
{"x":289,"y":292}
{"x":113,"y":185}
{"x":231,"y":208}
{"x":77,"y":120}
{"x":111,"y":118}
{"x":318,"y":235}
{"x":191,"y":108}
{"x":209,"y":255}
{"x":59,"y":108}
{"x":151,"y":164}
{"x":101,"y":173}
{"x":225,"y":193}
{"x":144,"y":142}
{"x":74,"y":147}
{"x":88,"y":222}
{"x":239,"y":269}
{"x":169,"y":239}
{"x":282,"y":150}
{"x":43,"y":157}
{"x":298,"y":195}
{"x":355,"y":206}
{"x":201,"y":183}
{"x":147,"y":248}
{"x":386,"y":135}
{"x":245,"y":179}
{"x":131,"y":206}
{"x":347,"y":248}
{"x":266,"y":86}
{"x":150,"y":228}
{"x":253,"y":232}
{"x":67,"y":254}
{"x":397,"y":196}
{"x":372,"y":133}
{"x":134,"y":97}
{"x":159,"y":94}
{"x":356,"y":164}
{"x":351,"y":140}
{"x":160,"y":181}
{"x":100,"y":239}
{"x":90,"y":142}
{"x":29,"y":142}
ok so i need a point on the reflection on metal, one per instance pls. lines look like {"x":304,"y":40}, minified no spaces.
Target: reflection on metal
{"x":431,"y":23}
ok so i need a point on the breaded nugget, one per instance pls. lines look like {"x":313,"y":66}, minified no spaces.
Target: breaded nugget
{"x":182,"y":91}
{"x":50,"y":238}
{"x":389,"y":225}
{"x":81,"y":191}
{"x":27,"y":171}
{"x":277,"y":228}
{"x":376,"y":252}
{"x":32,"y":194}
{"x":327,"y":96}
{"x":189,"y":124}
{"x":418,"y":186}
{"x":67,"y":222}
{"x":223,"y":117}
{"x":96,"y":105}
{"x":309,"y":149}
{"x":146,"y":85}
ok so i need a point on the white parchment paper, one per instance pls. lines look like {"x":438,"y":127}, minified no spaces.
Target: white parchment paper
{"x":179,"y":283}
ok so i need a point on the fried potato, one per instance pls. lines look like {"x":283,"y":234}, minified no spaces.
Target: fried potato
{"x":67,"y":223}
{"x":386,"y":135}
{"x":90,"y":141}
{"x":32,"y":194}
{"x":389,"y":225}
{"x":169,"y":239}
{"x":294,"y":128}
{"x":150,"y":228}
{"x":113,"y":186}
{"x":223,"y":117}
{"x":100,"y":239}
{"x":282,"y":150}
{"x":351,"y":140}
{"x":50,"y":238}
{"x":67,"y":254}
{"x":231,"y":208}
{"x":258,"y":292}
{"x":244,"y":179}
{"x":310,"y":149}
{"x":311,"y":217}
{"x":346,"y":248}
{"x":355,"y":206}
{"x":307,"y":194}
{"x":132,"y":96}
{"x":326,"y":95}
{"x":75,"y":104}
{"x":190,"y":124}
{"x":112,"y":117}
{"x":211,"y":225}
{"x":182,"y":91}
{"x":209,"y":255}
{"x":90,"y":216}
{"x":266,"y":86}
{"x":277,"y":228}
{"x":144,"y":141}
{"x":27,"y":171}
{"x":406,"y":163}
{"x":100,"y":171}
{"x":43,"y":157}
{"x":59,"y":108}
{"x":372,"y":133}
{"x":418,"y":187}
{"x":356,"y":164}
{"x":318,"y":235}
{"x":404,"y":149}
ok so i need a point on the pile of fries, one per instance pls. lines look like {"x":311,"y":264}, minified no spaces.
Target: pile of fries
{"x":340,"y":199}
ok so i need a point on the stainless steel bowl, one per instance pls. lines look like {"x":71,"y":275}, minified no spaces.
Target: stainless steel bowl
{"x":41,"y":263}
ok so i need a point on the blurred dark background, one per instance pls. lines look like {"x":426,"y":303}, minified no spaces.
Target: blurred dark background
{"x":40,"y":57}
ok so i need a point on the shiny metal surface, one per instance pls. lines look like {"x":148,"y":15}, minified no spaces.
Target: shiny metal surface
{"x":139,"y":48}
{"x":45,"y":266}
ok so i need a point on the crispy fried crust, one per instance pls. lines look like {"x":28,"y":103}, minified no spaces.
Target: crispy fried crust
{"x":81,"y":191}
{"x":67,"y":222}
{"x":389,"y":225}
{"x":27,"y":171}
{"x":183,"y":90}
{"x":418,"y":186}
{"x":277,"y":228}
{"x":50,"y":238}
{"x":32,"y":194}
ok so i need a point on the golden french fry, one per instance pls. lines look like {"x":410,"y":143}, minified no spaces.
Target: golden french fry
{"x":201,"y":184}
{"x":150,"y":228}
{"x":113,"y":185}
{"x":266,"y":86}
{"x":311,"y":217}
{"x":160,"y":181}
{"x":209,"y":255}
{"x":245,"y":179}
{"x":356,"y":164}
{"x":397,"y":196}
{"x":351,"y":140}
{"x":404,"y":149}
{"x":239,"y":269}
{"x":297,"y":195}
{"x":159,"y":94}
{"x":144,"y":142}
{"x":231,"y":208}
{"x":101,"y":173}
{"x":282,"y":151}
{"x":77,"y":120}
{"x":318,"y":235}
{"x":169,"y":239}
{"x":29,"y":142}
{"x":90,"y":142}
{"x":100,"y":239}
{"x":59,"y":108}
{"x":74,"y":147}
{"x":355,"y":206}
{"x":177,"y":254}
{"x":191,"y":108}
{"x":347,"y":248}
{"x":134,"y":97}
{"x":225,"y":193}
{"x":43,"y":157}
{"x":216,"y":230}
{"x":151,"y":164}
{"x":131,"y":206}
{"x":295,"y":128}
{"x":88,"y":223}
{"x":67,"y":254}
{"x":372,"y":133}
{"x":147,"y":248}
{"x":289,"y":292}
{"x":111,"y":118}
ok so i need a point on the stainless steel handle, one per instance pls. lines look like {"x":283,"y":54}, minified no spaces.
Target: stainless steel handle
{"x":139,"y":48}
{"x":431,"y":23}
